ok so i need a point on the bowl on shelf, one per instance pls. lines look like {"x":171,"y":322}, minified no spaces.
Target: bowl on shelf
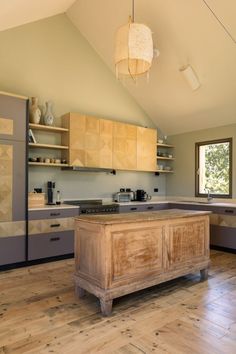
{"x":160,"y":141}
{"x":167,"y":168}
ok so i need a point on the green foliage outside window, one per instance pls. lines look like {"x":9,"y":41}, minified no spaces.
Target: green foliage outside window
{"x":217,"y":168}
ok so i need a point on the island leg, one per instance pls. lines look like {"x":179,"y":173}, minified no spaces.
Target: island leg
{"x":79,"y":292}
{"x":106,"y":307}
{"x":204,"y":274}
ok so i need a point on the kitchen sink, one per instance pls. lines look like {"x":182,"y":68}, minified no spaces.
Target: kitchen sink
{"x":196,"y":202}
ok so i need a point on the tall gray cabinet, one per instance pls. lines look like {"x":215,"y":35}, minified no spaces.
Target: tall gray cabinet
{"x":13,"y":119}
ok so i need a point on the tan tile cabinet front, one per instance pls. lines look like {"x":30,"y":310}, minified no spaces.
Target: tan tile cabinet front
{"x":51,"y":232}
{"x":89,"y":140}
{"x":146,"y":149}
{"x":103,"y":143}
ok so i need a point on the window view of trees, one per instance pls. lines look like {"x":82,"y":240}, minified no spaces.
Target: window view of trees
{"x":214,"y":168}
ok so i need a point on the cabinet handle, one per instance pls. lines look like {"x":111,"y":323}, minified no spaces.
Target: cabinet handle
{"x":54,"y":239}
{"x":150,"y":207}
{"x":133,"y":208}
{"x":55,"y":214}
{"x":229,"y":211}
{"x":55,"y":225}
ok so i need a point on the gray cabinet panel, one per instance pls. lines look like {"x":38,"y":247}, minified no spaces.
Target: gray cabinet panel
{"x":52,"y":213}
{"x":223,"y":236}
{"x":50,"y":245}
{"x":15,"y":109}
{"x":142,"y":207}
{"x":12,"y":250}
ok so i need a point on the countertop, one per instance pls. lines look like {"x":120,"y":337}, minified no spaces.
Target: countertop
{"x":193,"y":202}
{"x":51,"y":207}
{"x":109,"y":219}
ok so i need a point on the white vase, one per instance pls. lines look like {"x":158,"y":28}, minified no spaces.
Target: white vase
{"x":48,"y":116}
{"x":34,"y":111}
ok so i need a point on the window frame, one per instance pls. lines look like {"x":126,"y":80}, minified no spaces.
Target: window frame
{"x":215,"y":141}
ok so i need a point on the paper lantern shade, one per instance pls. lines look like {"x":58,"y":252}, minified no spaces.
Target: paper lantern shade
{"x":134,"y":49}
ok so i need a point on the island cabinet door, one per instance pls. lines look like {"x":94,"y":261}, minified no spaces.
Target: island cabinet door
{"x":136,"y":253}
{"x":188,"y":241}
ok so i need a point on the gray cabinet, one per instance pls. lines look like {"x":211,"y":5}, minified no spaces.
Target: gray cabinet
{"x":222,"y":220}
{"x":51,"y":232}
{"x":142,"y":207}
{"x":13,"y":118}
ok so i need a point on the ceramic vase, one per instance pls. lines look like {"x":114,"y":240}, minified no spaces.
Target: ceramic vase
{"x":48,"y":117}
{"x":34,"y":111}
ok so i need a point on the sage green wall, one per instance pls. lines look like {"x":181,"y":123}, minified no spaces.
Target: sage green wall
{"x":182,"y":182}
{"x":51,"y":60}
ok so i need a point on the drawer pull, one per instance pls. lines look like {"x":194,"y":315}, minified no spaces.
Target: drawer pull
{"x":55,"y":214}
{"x":54,"y":239}
{"x":150,"y":207}
{"x":55,"y":225}
{"x":133,"y":208}
{"x":229,"y":211}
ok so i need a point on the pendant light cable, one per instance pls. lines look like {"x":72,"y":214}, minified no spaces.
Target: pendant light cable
{"x":222,"y":25}
{"x":133,"y":10}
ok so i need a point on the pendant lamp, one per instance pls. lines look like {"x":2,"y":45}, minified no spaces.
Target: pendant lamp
{"x":134,"y":49}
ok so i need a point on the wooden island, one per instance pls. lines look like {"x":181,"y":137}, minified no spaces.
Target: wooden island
{"x":116,"y":254}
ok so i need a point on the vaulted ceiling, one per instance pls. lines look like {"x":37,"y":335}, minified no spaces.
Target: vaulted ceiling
{"x":184,"y":31}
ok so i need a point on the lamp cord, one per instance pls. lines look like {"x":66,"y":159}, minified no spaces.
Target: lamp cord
{"x":133,"y":10}
{"x":222,"y":25}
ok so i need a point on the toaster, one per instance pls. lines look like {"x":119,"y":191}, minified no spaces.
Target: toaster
{"x":123,"y":197}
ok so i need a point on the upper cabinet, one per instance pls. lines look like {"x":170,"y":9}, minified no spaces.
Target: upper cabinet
{"x":89,"y":140}
{"x":124,"y":146}
{"x":146,"y":149}
{"x":103,"y":143}
{"x":13,"y":115}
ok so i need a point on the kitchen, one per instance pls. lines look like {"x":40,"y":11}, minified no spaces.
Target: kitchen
{"x":73,"y":76}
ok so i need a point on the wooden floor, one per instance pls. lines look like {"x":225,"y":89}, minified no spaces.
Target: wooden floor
{"x":39,"y":314}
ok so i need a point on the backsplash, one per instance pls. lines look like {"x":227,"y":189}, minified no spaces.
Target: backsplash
{"x":75,"y":185}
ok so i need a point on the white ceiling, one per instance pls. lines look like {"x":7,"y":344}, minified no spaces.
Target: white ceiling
{"x":185,"y":32}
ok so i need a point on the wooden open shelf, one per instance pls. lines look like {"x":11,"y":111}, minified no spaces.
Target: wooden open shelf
{"x":47,"y":164}
{"x":48,"y":146}
{"x":164,"y":171}
{"x":48,"y":128}
{"x":164,"y":158}
{"x":165,"y":145}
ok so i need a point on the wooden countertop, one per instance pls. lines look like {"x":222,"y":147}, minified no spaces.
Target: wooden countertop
{"x":109,"y":219}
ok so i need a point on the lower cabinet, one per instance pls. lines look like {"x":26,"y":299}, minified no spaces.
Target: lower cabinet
{"x":142,"y":207}
{"x":12,"y":250}
{"x":50,"y":245}
{"x":49,"y":236}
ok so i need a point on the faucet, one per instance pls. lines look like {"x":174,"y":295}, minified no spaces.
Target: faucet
{"x":209,"y":197}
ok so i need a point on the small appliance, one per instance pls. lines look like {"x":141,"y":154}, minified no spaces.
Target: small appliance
{"x":142,"y":196}
{"x":124,"y":196}
{"x":50,"y":187}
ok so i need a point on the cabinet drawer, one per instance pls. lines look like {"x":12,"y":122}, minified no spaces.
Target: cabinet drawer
{"x":12,"y":249}
{"x":52,"y":213}
{"x":130,"y":208}
{"x":50,"y":225}
{"x":50,"y":245}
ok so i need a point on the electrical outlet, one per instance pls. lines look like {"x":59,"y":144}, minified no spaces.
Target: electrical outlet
{"x":155,"y":190}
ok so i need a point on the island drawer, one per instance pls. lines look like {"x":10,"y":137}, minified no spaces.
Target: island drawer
{"x":53,"y":213}
{"x":50,"y":245}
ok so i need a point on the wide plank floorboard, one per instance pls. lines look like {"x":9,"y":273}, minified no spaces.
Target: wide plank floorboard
{"x":39,"y":314}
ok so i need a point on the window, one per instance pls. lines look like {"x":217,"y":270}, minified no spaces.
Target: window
{"x":214,"y":168}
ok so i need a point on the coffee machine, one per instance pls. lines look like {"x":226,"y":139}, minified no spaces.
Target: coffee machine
{"x":50,"y":186}
{"x":142,"y":196}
